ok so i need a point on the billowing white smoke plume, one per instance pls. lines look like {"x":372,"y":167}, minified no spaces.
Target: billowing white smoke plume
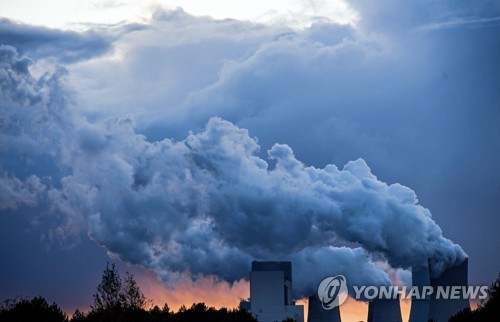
{"x":210,"y":204}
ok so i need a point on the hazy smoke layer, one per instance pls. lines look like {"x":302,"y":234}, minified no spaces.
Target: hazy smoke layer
{"x":210,"y":204}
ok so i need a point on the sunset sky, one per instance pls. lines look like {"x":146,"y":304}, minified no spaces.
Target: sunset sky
{"x":183,"y":139}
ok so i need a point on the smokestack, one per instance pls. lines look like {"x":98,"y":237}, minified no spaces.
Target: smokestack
{"x":384,"y":310}
{"x":440,"y":310}
{"x":318,"y":314}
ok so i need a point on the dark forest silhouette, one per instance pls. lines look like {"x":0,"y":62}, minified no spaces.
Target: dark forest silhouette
{"x":121,"y":300}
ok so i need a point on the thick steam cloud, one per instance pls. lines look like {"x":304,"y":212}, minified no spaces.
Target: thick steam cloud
{"x":211,"y":203}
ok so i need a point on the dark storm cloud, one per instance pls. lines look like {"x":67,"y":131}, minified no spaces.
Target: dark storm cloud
{"x":35,"y":121}
{"x":64,"y":46}
{"x":208,"y":205}
{"x":29,"y":107}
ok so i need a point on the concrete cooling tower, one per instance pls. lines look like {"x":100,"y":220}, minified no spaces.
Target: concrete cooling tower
{"x":438,"y":307}
{"x":420,"y":307}
{"x":318,"y":314}
{"x":384,"y":310}
{"x":440,"y":310}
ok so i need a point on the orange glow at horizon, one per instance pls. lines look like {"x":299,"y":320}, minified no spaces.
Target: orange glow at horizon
{"x":206,"y":289}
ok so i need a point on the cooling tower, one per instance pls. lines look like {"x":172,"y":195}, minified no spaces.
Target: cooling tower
{"x":439,"y":307}
{"x":384,"y":310}
{"x":318,"y":314}
{"x":440,"y":310}
{"x":420,"y":307}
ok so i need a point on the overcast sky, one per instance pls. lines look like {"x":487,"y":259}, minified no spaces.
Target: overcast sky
{"x":175,"y":138}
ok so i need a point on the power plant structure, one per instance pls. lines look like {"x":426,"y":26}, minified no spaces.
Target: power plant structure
{"x":384,"y":310}
{"x":271,"y":293}
{"x":437,"y":307}
{"x":271,"y":297}
{"x":318,"y":314}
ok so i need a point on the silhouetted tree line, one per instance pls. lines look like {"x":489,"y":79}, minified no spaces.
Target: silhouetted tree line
{"x":487,"y":311}
{"x":117,"y":300}
{"x":36,"y":309}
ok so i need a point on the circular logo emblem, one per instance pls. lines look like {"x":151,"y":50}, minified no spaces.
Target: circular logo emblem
{"x":332,"y":291}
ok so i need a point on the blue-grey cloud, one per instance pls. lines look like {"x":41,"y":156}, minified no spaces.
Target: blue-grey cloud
{"x":209,"y":204}
{"x":64,"y":46}
{"x":35,"y":123}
